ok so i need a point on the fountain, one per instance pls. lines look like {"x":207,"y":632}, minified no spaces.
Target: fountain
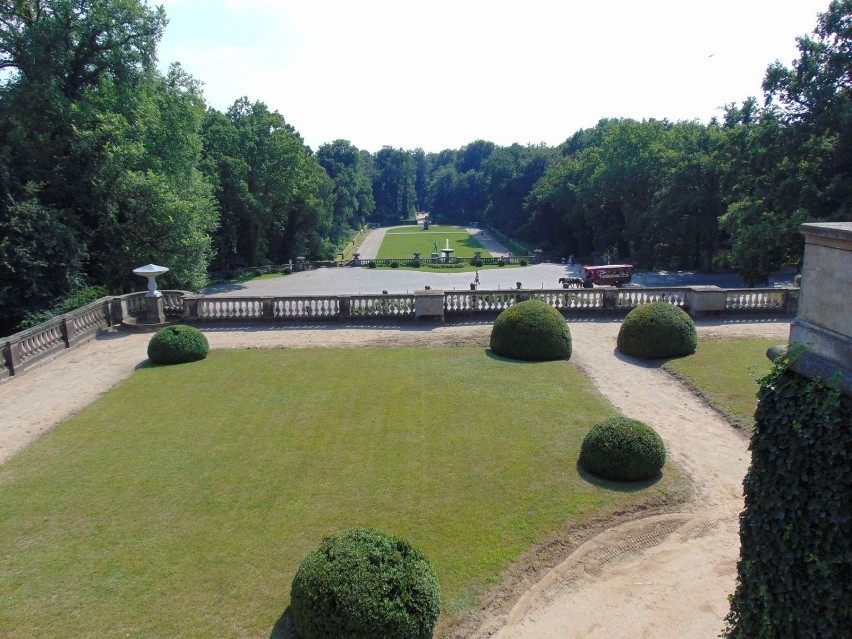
{"x":447,"y":252}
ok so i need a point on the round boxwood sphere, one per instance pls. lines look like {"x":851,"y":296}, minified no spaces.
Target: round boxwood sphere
{"x":657,"y":330}
{"x":623,"y":449}
{"x":362,"y":584}
{"x":177,"y":344}
{"x":532,"y":331}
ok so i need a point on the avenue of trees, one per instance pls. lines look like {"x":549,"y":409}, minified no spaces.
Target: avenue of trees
{"x":107,"y":164}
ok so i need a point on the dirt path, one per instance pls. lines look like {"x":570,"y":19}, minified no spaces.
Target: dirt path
{"x":662,"y":576}
{"x":665,"y":576}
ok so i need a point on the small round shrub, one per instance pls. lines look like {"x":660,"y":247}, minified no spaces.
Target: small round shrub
{"x":623,"y":449}
{"x":361,"y":584}
{"x":394,"y":264}
{"x":371,"y":264}
{"x":523,"y":263}
{"x":657,"y":330}
{"x":177,"y":344}
{"x":531,"y":331}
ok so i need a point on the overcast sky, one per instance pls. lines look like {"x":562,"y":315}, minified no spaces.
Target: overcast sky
{"x":439,"y":74}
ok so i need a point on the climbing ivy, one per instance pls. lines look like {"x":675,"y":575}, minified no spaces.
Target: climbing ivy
{"x":796,"y":547}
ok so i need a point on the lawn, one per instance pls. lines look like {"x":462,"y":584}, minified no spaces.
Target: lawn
{"x":725,"y":372}
{"x":181,"y":503}
{"x":403,"y":241}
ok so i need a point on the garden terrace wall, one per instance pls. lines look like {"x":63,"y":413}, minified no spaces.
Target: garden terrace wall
{"x":45,"y":341}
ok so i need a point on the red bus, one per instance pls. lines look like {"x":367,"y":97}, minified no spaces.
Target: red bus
{"x":609,"y":275}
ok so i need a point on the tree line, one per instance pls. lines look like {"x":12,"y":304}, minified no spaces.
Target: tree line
{"x":107,"y":164}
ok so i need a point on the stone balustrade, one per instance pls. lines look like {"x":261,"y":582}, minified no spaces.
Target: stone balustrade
{"x":43,"y":342}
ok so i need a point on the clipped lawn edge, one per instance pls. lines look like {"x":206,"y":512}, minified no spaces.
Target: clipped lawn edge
{"x":533,"y":565}
{"x":742,"y":427}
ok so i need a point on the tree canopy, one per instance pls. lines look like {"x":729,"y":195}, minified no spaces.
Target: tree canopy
{"x":106,"y":164}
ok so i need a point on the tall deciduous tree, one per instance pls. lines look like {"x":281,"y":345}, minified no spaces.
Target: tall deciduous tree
{"x":798,"y":147}
{"x":276,"y":201}
{"x":353,"y":189}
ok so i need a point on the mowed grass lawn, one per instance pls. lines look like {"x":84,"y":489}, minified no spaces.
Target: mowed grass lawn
{"x":725,"y":372}
{"x":404,"y":241}
{"x":181,"y":503}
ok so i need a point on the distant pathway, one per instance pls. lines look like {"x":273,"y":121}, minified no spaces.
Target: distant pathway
{"x":369,"y":249}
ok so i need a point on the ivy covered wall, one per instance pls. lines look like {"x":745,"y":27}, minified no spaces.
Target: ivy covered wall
{"x":796,"y":530}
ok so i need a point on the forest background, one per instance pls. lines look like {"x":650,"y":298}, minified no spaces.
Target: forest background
{"x":107,"y":164}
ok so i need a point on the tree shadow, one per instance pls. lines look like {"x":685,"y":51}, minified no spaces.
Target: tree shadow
{"x":617,"y":486}
{"x":283,"y":628}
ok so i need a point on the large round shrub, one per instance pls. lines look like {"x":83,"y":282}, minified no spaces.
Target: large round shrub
{"x":623,"y":449}
{"x":531,"y":330}
{"x":657,"y":330}
{"x":363,"y":584}
{"x":177,"y":344}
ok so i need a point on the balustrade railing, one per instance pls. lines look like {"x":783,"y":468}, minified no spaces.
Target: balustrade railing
{"x":42,"y":342}
{"x":39,"y":343}
{"x":759,"y":300}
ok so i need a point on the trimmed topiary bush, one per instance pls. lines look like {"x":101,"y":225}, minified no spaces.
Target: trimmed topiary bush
{"x":657,"y":330}
{"x":177,"y":344}
{"x":362,"y":584}
{"x":623,"y":449}
{"x":531,"y":331}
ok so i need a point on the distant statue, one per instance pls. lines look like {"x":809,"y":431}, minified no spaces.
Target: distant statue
{"x":435,"y":245}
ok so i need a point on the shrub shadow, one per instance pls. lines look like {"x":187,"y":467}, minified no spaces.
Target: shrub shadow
{"x":617,"y":486}
{"x":492,"y":355}
{"x":283,"y":628}
{"x":638,"y":361}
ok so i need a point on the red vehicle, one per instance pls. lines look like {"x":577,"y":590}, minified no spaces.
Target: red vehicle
{"x":609,"y":275}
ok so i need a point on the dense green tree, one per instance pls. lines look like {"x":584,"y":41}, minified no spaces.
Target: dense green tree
{"x":353,"y":189}
{"x":394,"y":179}
{"x":275,"y":200}
{"x":791,"y":162}
{"x":100,"y":145}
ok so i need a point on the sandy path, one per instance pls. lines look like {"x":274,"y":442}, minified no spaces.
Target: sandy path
{"x":662,"y":576}
{"x":665,"y":576}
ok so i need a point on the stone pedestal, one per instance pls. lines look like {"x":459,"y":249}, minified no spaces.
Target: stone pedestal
{"x":705,"y":301}
{"x":824,"y":319}
{"x":154,"y":310}
{"x":429,"y":305}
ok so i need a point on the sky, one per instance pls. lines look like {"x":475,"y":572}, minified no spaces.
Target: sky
{"x":440,"y":74}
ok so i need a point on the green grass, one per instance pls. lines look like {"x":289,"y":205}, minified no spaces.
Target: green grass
{"x":725,"y":372}
{"x":181,"y":503}
{"x":403,"y":241}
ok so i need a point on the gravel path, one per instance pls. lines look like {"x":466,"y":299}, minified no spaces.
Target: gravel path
{"x":664,"y":576}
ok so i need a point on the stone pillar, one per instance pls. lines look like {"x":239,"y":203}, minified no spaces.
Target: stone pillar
{"x":824,"y":321}
{"x":429,"y":305}
{"x":119,"y":309}
{"x":268,"y":309}
{"x":610,"y":301}
{"x":704,"y":301}
{"x":190,"y":308}
{"x":356,"y":259}
{"x":344,"y":308}
{"x":154,"y":313}
{"x":538,"y":253}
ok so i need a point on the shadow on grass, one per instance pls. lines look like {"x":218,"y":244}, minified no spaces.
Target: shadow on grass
{"x":492,"y":355}
{"x":283,"y":628}
{"x":617,"y":486}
